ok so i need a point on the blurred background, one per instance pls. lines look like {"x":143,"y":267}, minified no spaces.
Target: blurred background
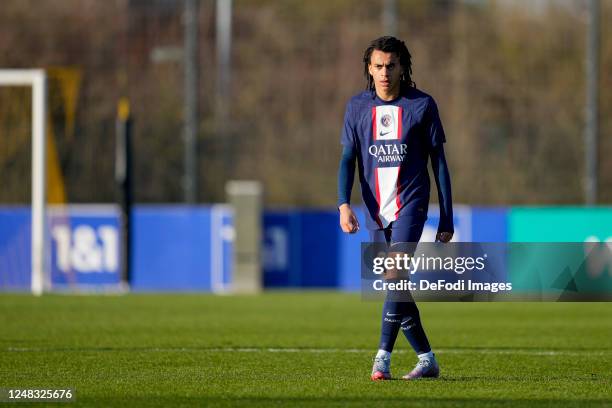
{"x":256,"y":89}
{"x":509,"y":77}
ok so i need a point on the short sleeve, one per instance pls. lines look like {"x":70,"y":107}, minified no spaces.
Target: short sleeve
{"x":434,"y":125}
{"x":348,"y":129}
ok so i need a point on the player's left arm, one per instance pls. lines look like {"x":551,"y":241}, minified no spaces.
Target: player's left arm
{"x":441,"y":173}
{"x":443,"y":183}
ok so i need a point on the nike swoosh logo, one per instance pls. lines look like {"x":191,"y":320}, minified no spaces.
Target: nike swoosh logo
{"x":384,"y":133}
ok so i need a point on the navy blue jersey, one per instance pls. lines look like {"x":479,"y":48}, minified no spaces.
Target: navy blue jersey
{"x":393,"y":140}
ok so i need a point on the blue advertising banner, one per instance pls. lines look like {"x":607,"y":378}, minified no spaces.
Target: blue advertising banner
{"x":84,"y":248}
{"x":489,"y":224}
{"x":189,"y":248}
{"x":174,"y":248}
{"x":15,"y":248}
{"x":181,"y":248}
{"x":300,"y":249}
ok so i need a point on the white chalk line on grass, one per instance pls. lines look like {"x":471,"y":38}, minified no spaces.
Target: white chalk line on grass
{"x":518,"y":351}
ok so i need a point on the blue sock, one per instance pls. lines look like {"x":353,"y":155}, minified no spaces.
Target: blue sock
{"x":391,"y":320}
{"x":413,"y":329}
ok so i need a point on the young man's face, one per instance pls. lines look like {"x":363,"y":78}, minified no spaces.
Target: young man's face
{"x":386,"y":70}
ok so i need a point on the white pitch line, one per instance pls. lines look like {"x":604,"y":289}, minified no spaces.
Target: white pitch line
{"x":518,"y":351}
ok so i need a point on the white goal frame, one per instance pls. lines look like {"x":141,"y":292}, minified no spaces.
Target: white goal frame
{"x":37,"y":80}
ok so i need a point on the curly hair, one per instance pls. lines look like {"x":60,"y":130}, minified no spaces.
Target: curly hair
{"x":389,"y":44}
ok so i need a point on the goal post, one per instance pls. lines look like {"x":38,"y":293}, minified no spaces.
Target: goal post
{"x":37,"y":80}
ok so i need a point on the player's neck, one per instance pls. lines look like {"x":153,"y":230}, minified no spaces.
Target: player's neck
{"x":388,"y":95}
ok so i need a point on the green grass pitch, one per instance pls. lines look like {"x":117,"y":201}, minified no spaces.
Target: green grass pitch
{"x":300,"y":348}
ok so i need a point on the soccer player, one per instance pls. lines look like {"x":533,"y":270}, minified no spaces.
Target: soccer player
{"x":392,"y":129}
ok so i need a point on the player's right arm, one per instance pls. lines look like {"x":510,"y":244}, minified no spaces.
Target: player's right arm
{"x":346,"y":175}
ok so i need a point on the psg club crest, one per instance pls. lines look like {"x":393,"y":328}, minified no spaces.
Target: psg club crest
{"x":386,"y":120}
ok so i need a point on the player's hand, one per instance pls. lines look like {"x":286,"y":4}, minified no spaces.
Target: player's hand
{"x":348,"y":219}
{"x":444,"y":236}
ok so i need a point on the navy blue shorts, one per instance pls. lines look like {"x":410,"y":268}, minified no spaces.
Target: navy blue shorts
{"x":404,"y":229}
